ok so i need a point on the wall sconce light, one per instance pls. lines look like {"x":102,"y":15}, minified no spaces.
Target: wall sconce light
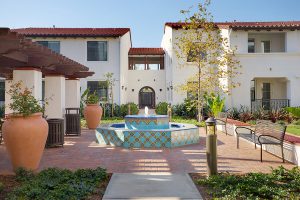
{"x":122,"y":87}
{"x":132,"y":90}
{"x":160,"y":89}
{"x":171,"y":87}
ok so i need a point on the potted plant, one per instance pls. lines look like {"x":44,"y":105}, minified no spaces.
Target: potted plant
{"x":25,"y":131}
{"x":93,"y":111}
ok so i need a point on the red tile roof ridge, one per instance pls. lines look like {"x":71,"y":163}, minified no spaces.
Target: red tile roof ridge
{"x":246,"y":24}
{"x":69,"y":32}
{"x":146,"y":51}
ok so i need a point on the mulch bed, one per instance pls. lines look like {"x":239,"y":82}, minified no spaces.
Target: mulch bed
{"x":10,"y":183}
{"x":203,"y":190}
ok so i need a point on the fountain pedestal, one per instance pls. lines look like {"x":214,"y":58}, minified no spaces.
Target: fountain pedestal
{"x":146,"y":122}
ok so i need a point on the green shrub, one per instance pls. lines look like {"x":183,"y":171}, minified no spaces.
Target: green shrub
{"x":134,"y":109}
{"x":186,"y":109}
{"x":162,"y":108}
{"x":295,"y":111}
{"x":215,"y":104}
{"x":2,"y":111}
{"x":56,"y":183}
{"x":280,"y":184}
{"x":1,"y":186}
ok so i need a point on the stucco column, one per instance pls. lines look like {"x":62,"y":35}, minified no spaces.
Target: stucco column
{"x":30,"y":78}
{"x":72,"y":93}
{"x":8,"y":83}
{"x":292,"y":91}
{"x":55,"y":94}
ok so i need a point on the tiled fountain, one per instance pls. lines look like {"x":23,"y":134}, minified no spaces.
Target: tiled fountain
{"x":147,"y":131}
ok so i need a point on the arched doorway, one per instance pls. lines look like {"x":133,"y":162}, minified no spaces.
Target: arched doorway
{"x":147,"y":97}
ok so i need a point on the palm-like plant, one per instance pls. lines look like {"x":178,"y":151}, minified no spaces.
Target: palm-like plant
{"x":215,"y":104}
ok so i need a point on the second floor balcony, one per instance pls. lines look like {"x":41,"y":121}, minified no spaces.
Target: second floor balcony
{"x":146,"y":59}
{"x":266,"y":42}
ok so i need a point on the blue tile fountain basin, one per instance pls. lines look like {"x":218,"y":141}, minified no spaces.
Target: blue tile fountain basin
{"x":146,"y":122}
{"x":175,"y":135}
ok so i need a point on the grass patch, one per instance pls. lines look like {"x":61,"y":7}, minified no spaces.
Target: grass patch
{"x":104,"y":121}
{"x":187,"y":121}
{"x":54,"y":183}
{"x":293,"y":129}
{"x":175,"y":119}
{"x":281,"y":183}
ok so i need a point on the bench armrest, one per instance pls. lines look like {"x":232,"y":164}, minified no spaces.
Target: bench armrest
{"x":237,"y":129}
{"x":220,"y":120}
{"x":267,"y":139}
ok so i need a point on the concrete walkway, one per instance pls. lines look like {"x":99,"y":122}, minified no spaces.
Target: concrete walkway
{"x":151,"y":186}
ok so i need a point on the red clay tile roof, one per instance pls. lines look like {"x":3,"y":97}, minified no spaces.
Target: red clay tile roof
{"x":248,"y":25}
{"x":72,"y":32}
{"x":146,"y":51}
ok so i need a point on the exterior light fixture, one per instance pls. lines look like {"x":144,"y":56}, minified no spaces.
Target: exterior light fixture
{"x":171,"y":87}
{"x":132,"y":90}
{"x":160,"y":89}
{"x":211,"y":146}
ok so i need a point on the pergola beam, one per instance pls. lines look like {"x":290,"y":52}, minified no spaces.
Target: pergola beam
{"x":17,"y":51}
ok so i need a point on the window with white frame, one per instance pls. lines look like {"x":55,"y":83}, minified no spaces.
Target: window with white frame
{"x":53,"y":45}
{"x":100,"y":88}
{"x":97,"y":51}
{"x":251,"y":45}
{"x":266,"y":46}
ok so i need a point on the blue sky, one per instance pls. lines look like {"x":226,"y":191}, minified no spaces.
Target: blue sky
{"x":146,"y":18}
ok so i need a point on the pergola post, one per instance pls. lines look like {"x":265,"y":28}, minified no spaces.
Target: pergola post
{"x":72,"y":93}
{"x":55,"y":94}
{"x":31,"y":78}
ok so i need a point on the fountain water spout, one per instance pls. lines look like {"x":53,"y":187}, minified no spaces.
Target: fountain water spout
{"x":146,"y":111}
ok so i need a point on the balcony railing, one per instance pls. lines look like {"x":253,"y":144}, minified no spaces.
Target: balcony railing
{"x":269,"y":104}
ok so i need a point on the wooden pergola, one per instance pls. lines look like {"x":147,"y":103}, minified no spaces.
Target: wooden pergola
{"x":21,"y":59}
{"x":16,"y":52}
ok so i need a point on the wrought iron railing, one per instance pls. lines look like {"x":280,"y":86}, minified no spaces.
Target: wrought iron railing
{"x":269,"y":104}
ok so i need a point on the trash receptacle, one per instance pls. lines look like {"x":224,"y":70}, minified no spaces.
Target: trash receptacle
{"x":56,"y":132}
{"x":73,"y":121}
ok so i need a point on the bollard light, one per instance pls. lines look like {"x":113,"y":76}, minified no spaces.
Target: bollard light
{"x":210,"y":126}
{"x":211,"y":146}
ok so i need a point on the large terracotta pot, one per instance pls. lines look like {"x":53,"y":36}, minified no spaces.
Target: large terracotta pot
{"x":92,"y":115}
{"x":25,"y":139}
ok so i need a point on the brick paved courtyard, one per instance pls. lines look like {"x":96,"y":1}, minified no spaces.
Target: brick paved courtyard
{"x":84,"y":152}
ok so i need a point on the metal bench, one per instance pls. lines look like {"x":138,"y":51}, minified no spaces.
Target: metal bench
{"x":222,"y":120}
{"x":265,"y":132}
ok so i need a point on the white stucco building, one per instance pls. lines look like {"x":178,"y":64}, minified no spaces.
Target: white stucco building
{"x":269,"y":53}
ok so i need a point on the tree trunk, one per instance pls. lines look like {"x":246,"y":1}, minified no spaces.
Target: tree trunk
{"x":199,"y":107}
{"x":112,"y":102}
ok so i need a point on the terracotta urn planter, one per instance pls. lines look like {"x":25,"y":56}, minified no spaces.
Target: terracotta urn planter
{"x":25,"y":139}
{"x":92,"y":114}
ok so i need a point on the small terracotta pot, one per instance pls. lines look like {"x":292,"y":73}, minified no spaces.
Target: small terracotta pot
{"x":92,"y":114}
{"x":25,"y":139}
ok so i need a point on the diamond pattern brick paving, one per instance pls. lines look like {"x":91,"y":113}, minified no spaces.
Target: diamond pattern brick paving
{"x":84,"y":152}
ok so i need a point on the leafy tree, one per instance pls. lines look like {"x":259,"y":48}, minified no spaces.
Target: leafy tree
{"x":202,"y":44}
{"x":110,"y":83}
